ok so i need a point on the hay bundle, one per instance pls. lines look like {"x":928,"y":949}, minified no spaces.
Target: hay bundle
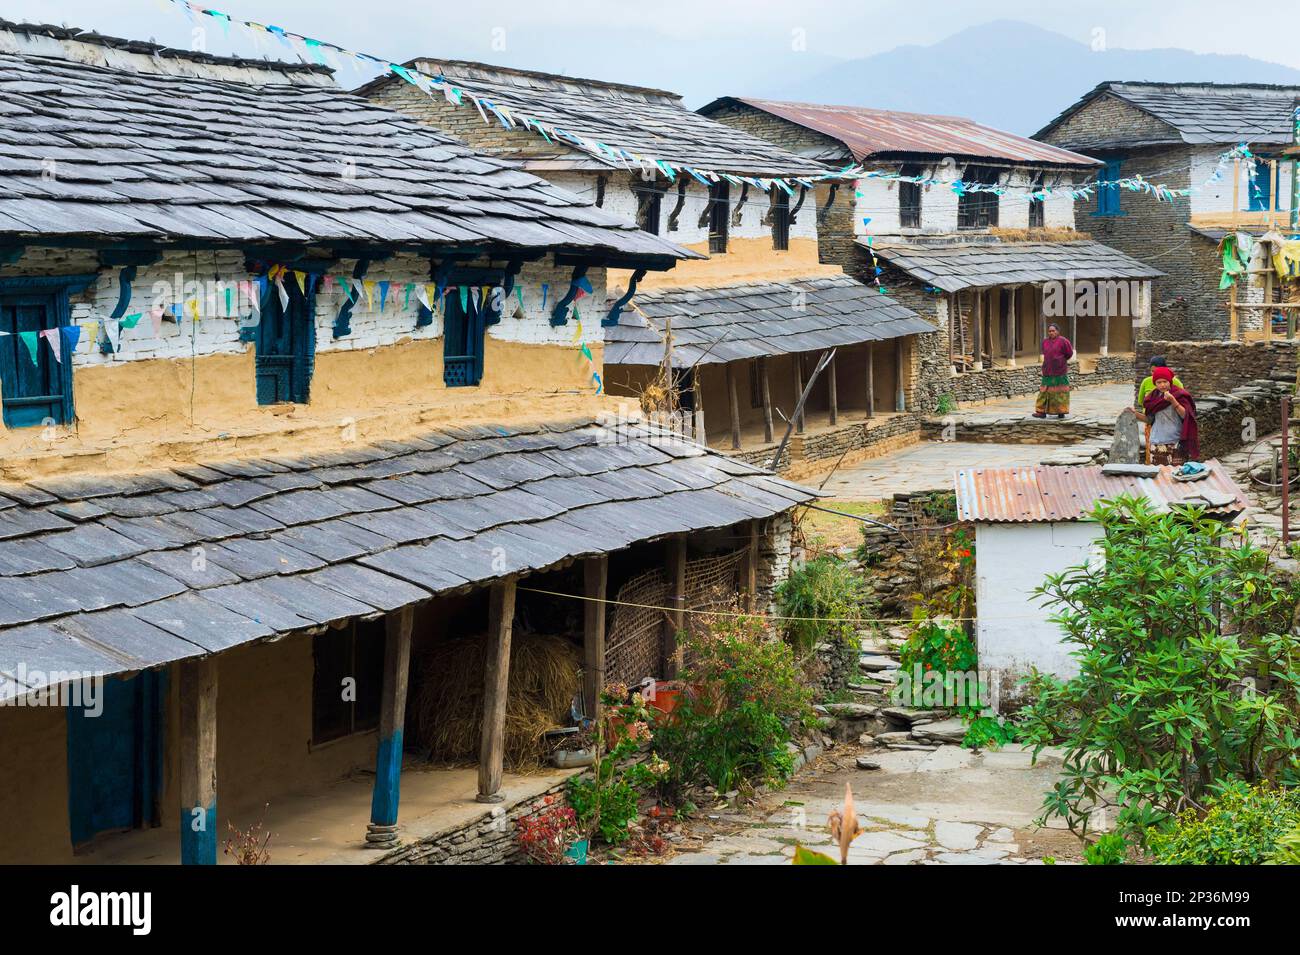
{"x":448,"y":707}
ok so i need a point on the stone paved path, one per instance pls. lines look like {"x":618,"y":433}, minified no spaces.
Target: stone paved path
{"x":930,"y":464}
{"x":923,"y":467}
{"x":1096,"y":401}
{"x":947,"y":806}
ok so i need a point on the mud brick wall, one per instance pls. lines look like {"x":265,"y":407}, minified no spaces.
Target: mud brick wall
{"x":1217,"y":367}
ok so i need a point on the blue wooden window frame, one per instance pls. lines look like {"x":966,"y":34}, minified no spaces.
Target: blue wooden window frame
{"x":1108,"y":195}
{"x":1259,"y":192}
{"x":22,"y":406}
{"x":283,"y":369}
{"x":464,"y":330}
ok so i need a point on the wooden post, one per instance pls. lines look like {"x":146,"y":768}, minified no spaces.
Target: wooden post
{"x":697,"y":392}
{"x":381,"y":833}
{"x":733,"y":400}
{"x":956,"y":335}
{"x":1104,"y":348}
{"x":767,"y":401}
{"x":831,"y":391}
{"x":1236,"y":205}
{"x":675,"y":619}
{"x":595,"y":576}
{"x":750,"y":582}
{"x":900,"y":379}
{"x":198,"y":761}
{"x":798,"y":392}
{"x":977,"y":330}
{"x":1011,"y":328}
{"x":871,"y":383}
{"x":1074,"y":333}
{"x":496,"y":680}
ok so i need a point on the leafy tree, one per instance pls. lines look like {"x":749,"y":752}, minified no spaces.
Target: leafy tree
{"x":1187,"y":670}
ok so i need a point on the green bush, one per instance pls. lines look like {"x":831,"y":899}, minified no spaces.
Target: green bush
{"x":1167,"y":626}
{"x":823,"y":589}
{"x":1242,"y":825}
{"x":605,"y":801}
{"x":988,"y":732}
{"x":744,"y":701}
{"x":1109,"y":849}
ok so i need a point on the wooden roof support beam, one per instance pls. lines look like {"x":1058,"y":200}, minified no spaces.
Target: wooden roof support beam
{"x":198,"y":760}
{"x":675,"y":619}
{"x":496,"y":681}
{"x":381,"y":833}
{"x":595,"y":576}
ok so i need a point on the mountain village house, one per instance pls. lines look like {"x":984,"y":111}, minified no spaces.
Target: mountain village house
{"x":742,"y":327}
{"x":990,"y":266}
{"x":293,"y":407}
{"x":1183,"y":135}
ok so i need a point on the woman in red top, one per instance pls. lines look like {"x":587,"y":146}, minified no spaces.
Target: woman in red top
{"x":1054,"y":392}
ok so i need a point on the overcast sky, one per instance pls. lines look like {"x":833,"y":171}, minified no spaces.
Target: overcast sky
{"x":563,"y":35}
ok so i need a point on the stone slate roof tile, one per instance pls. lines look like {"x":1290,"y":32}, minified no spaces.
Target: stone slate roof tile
{"x":983,"y":264}
{"x":1204,"y":113}
{"x":738,"y":322}
{"x":644,"y":121}
{"x":241,"y":556}
{"x":145,"y":155}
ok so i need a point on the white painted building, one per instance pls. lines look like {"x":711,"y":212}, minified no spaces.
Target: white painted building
{"x":1033,"y":522}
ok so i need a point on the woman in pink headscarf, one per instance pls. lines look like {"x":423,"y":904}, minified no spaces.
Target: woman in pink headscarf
{"x":1054,"y":391}
{"x":1175,"y":437}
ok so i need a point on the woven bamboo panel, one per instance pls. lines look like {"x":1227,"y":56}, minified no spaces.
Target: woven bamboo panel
{"x":634,"y":646}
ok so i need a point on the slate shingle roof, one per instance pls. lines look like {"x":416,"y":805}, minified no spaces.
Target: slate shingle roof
{"x":714,"y":325}
{"x":644,"y":121}
{"x":99,"y":573}
{"x":1205,"y":113}
{"x":146,"y":156}
{"x":982,"y":264}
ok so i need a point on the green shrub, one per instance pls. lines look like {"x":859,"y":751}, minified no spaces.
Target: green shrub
{"x":1242,"y":825}
{"x":605,"y":801}
{"x":1166,"y":626}
{"x":1109,"y":849}
{"x":823,"y":589}
{"x":988,"y":732}
{"x":744,"y":701}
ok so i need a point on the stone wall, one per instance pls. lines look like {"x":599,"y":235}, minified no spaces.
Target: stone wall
{"x":1215,"y":367}
{"x":1242,"y":416}
{"x":832,"y":667}
{"x":776,"y":551}
{"x":1187,"y":303}
{"x":488,"y":840}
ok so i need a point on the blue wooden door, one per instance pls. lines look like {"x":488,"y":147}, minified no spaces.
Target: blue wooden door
{"x":115,"y":758}
{"x":34,"y":391}
{"x":285,"y":347}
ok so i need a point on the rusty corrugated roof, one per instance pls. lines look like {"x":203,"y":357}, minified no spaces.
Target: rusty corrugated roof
{"x":870,"y":132}
{"x":1055,"y":493}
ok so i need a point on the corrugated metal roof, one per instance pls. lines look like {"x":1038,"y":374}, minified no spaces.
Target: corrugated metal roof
{"x":873,"y":132}
{"x":1047,"y":493}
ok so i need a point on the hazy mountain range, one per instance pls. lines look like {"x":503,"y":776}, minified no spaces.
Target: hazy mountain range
{"x":1007,"y":74}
